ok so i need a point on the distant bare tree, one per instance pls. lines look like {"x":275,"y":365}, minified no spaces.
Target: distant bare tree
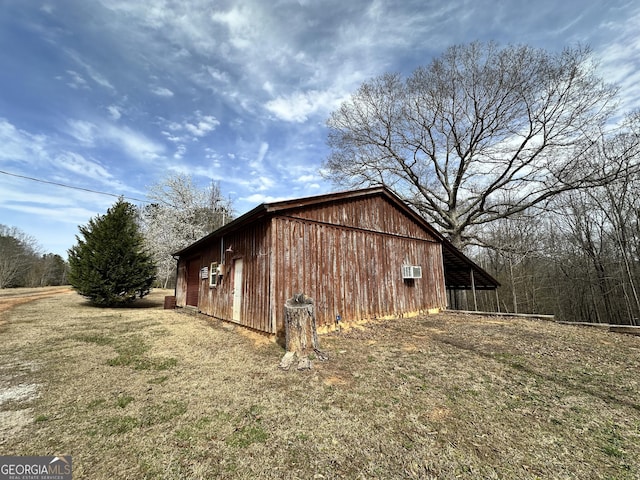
{"x":45,"y":270}
{"x":181,"y":214}
{"x":17,"y":252}
{"x":478,"y":125}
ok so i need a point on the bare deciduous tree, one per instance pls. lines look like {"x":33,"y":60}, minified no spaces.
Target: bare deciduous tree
{"x":480,"y":134}
{"x":17,"y":252}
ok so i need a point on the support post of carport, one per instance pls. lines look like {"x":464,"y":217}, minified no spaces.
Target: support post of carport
{"x":473,"y":287}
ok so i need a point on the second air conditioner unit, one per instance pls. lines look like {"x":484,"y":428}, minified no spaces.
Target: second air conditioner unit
{"x":411,"y":271}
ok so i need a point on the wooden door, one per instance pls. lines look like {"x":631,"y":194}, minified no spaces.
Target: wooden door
{"x":193,"y":282}
{"x":237,"y":289}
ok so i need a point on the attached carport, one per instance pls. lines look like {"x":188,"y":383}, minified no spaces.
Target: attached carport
{"x":462,"y":274}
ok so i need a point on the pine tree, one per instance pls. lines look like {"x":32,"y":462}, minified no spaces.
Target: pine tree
{"x":109,"y":265}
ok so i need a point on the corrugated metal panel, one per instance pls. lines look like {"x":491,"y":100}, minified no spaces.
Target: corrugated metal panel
{"x":354,"y":273}
{"x":250,"y":245}
{"x":368,"y":213}
{"x":346,"y":255}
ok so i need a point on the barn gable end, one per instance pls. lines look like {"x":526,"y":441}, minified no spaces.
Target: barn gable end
{"x":374,"y":213}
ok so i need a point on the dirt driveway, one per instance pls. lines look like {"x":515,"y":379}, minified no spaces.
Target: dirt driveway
{"x":10,"y":297}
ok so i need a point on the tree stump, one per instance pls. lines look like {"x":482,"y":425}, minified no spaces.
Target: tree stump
{"x":301,"y":334}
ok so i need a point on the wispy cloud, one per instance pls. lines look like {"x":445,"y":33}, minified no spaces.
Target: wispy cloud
{"x":262,"y":153}
{"x":76,"y":163}
{"x":76,"y":80}
{"x":90,"y":71}
{"x":83,"y":131}
{"x":19,"y":145}
{"x":114,"y":112}
{"x":162,"y":92}
{"x":196,"y":126}
{"x":299,"y":106}
{"x":135,"y":144}
{"x":621,"y":58}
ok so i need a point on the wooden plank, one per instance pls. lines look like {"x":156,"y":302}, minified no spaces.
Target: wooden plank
{"x":628,"y":329}
{"x":504,"y":314}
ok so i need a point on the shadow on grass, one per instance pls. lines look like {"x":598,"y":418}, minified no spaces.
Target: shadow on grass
{"x":553,"y":377}
{"x":137,"y":304}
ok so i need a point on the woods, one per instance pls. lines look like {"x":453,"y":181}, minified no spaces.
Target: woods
{"x":23,"y":265}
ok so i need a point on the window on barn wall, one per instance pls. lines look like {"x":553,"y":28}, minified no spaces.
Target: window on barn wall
{"x":213,"y":274}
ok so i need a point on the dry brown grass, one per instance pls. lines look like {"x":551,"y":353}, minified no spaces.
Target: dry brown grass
{"x":147,"y":393}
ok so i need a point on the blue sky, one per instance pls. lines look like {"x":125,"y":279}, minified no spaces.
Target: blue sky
{"x":114,"y":95}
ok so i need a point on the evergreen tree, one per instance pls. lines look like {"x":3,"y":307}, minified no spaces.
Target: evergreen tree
{"x":109,"y":265}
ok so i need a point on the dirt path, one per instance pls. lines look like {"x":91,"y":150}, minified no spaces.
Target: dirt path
{"x":14,"y":388}
{"x":11,"y":297}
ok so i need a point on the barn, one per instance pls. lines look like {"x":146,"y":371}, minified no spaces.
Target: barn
{"x":358,"y":254}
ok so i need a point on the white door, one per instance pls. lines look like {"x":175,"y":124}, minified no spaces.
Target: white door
{"x":237,"y":289}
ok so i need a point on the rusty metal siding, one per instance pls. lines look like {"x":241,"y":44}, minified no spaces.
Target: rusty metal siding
{"x":346,"y":255}
{"x":369,"y":213}
{"x":354,"y":273}
{"x":252,"y":246}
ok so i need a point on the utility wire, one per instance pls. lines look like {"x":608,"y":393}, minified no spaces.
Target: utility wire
{"x":72,"y":187}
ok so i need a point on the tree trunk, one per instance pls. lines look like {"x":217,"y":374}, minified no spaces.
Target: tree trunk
{"x":301,"y":334}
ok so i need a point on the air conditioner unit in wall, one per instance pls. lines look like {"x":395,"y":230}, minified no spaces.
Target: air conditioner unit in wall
{"x":411,"y":271}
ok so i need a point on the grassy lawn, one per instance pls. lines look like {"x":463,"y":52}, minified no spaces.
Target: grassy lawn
{"x":147,"y":393}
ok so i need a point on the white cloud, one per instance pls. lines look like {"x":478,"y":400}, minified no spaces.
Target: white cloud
{"x":203,"y":126}
{"x":77,"y":164}
{"x":306,"y":178}
{"x":162,"y":92}
{"x":252,"y":183}
{"x":262,"y":183}
{"x":179,"y":153}
{"x":136,"y":144}
{"x":620,"y":56}
{"x":52,"y":203}
{"x":96,"y":76}
{"x":19,"y":145}
{"x":70,"y":215}
{"x":262,"y":153}
{"x":218,"y":75}
{"x":114,"y":112}
{"x":76,"y":80}
{"x":258,"y":198}
{"x":193,"y":128}
{"x":238,"y":20}
{"x":83,"y":131}
{"x":299,"y":106}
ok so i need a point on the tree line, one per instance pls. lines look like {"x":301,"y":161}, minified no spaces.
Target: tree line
{"x":23,"y":265}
